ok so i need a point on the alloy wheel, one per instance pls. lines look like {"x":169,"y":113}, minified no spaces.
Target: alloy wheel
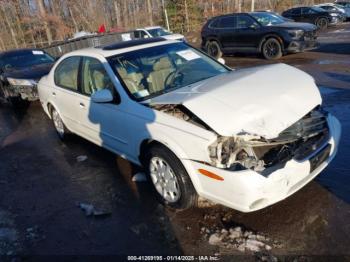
{"x":164,"y":179}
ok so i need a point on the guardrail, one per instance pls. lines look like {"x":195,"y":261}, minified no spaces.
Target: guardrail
{"x":60,"y":48}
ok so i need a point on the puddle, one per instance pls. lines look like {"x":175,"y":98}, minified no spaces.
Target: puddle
{"x":336,"y":177}
{"x":341,"y":77}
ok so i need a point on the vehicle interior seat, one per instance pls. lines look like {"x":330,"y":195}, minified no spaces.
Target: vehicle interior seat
{"x":98,"y":78}
{"x":132,"y":80}
{"x":69,"y":78}
{"x":161,"y":70}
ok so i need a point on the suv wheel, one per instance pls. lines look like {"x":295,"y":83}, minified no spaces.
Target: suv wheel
{"x":322,"y":23}
{"x":213,"y":49}
{"x":272,"y":49}
{"x":171,"y":182}
{"x":60,"y":128}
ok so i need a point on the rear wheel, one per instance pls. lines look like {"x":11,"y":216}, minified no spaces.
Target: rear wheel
{"x":213,"y":49}
{"x":272,"y":49}
{"x":60,"y":128}
{"x":322,"y":23}
{"x":171,"y":182}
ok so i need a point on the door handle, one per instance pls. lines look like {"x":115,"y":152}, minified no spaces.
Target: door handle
{"x":53,"y":94}
{"x":81,"y":105}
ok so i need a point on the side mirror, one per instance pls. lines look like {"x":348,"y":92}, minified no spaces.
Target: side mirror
{"x":221,"y":60}
{"x":102,"y":96}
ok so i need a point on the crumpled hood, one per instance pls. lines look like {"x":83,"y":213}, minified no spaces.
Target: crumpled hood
{"x":262,"y":100}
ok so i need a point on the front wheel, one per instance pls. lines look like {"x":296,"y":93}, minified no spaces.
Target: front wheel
{"x":171,"y":182}
{"x":272,"y":49}
{"x":322,"y":23}
{"x":213,"y":49}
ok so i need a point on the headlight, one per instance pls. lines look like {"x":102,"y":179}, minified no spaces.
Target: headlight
{"x":296,"y":34}
{"x":333,"y":14}
{"x":21,"y":82}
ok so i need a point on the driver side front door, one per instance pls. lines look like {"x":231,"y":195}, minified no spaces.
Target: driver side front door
{"x":103,"y":123}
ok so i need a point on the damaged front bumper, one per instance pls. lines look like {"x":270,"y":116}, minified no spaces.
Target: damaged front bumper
{"x":29,"y":93}
{"x":248,"y":190}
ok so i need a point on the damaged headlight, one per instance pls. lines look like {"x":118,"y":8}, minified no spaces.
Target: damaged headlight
{"x":21,"y":82}
{"x":296,"y":34}
{"x":227,"y":152}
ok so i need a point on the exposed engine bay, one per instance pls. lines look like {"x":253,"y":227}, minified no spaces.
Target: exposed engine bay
{"x":257,"y":153}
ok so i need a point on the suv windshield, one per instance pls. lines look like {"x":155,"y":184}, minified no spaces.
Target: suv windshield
{"x":266,"y":18}
{"x":24,"y":59}
{"x":317,"y":9}
{"x":153,"y":71}
{"x":158,"y":32}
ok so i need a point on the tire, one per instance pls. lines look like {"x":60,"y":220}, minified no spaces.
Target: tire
{"x":173,"y":186}
{"x":213,"y":49}
{"x":322,"y":23}
{"x":271,"y":49}
{"x":58,"y":124}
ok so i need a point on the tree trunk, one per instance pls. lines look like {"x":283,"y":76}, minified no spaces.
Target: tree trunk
{"x":12,"y":32}
{"x":150,"y":14}
{"x":117,"y":13}
{"x":187,"y":17}
{"x":42,"y":11}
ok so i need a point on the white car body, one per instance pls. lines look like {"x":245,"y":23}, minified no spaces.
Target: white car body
{"x":259,"y":101}
{"x":170,"y":36}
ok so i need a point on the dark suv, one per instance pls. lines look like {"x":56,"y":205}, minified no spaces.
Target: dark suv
{"x":259,"y":32}
{"x":314,"y":15}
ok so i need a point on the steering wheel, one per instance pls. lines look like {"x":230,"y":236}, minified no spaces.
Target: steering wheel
{"x":175,"y":77}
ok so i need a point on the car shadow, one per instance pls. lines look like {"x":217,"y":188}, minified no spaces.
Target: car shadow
{"x":334,"y":48}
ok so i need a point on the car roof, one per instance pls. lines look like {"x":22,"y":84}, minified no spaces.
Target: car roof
{"x":123,"y":47}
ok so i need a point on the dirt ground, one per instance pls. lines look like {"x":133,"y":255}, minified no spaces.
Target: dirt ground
{"x":43,"y":183}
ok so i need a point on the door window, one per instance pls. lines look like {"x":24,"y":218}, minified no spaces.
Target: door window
{"x":94,"y":77}
{"x":227,"y":22}
{"x":66,"y":73}
{"x":295,"y":11}
{"x":244,"y":22}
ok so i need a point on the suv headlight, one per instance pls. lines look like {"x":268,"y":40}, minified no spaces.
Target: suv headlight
{"x":334,"y":14}
{"x":21,"y":82}
{"x":296,"y":34}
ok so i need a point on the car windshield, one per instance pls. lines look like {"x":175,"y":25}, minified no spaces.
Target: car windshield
{"x":266,"y":18}
{"x":158,"y":32}
{"x":153,"y":71}
{"x":24,"y":59}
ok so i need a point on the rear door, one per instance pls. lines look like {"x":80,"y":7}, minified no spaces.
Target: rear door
{"x":308,"y":15}
{"x":226,"y":32}
{"x":248,"y":31}
{"x":294,"y":14}
{"x":65,"y":92}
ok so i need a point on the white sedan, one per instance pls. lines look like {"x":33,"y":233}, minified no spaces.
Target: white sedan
{"x":243,"y":138}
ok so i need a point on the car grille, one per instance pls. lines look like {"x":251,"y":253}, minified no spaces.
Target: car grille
{"x":310,"y":35}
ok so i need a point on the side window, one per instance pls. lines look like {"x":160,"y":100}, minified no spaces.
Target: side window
{"x":137,"y":34}
{"x":296,"y":11}
{"x":94,"y":77}
{"x":308,"y":11}
{"x":227,"y":22}
{"x":244,"y":22}
{"x":214,"y":23}
{"x":143,"y":34}
{"x":66,"y":73}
